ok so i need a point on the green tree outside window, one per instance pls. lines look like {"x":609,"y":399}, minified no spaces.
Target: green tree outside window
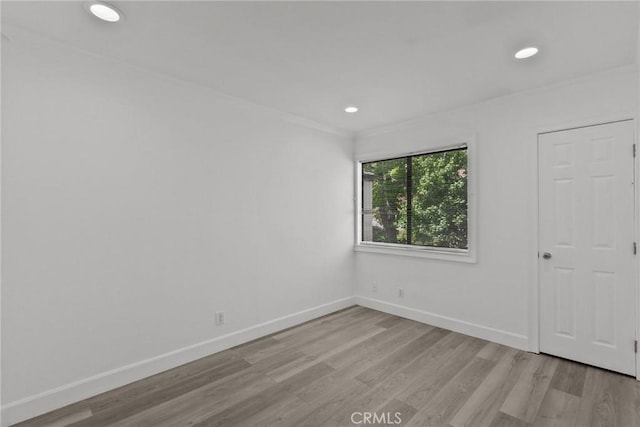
{"x":417,"y":200}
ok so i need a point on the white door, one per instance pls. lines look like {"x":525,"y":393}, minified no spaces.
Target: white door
{"x":586,"y":259}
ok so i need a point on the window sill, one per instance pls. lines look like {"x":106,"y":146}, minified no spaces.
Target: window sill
{"x":418,"y":252}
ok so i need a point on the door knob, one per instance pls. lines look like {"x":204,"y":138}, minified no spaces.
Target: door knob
{"x":546,"y":255}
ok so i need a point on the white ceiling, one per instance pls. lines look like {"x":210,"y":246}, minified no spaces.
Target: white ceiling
{"x":395,"y":60}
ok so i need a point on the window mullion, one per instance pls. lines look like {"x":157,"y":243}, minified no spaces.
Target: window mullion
{"x":409,"y":197}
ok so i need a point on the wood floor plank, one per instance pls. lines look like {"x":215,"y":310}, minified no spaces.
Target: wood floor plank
{"x":504,"y":420}
{"x":596,"y":406}
{"x":280,"y":413}
{"x":320,"y":372}
{"x":287,"y":370}
{"x":418,"y":393}
{"x":344,"y":336}
{"x":372,"y":400}
{"x":141,"y":402}
{"x":63,"y":420}
{"x":439,"y":410}
{"x":422,"y":367}
{"x":72,"y":419}
{"x":325,"y":386}
{"x":272,"y":362}
{"x":162,"y":380}
{"x":609,"y":399}
{"x":200,"y":403}
{"x":297,"y":338}
{"x":318,"y":393}
{"x":59,"y":417}
{"x":558,"y":409}
{"x":569,"y":377}
{"x":493,"y":351}
{"x":388,"y":322}
{"x":320,"y":322}
{"x":330,"y":403}
{"x":403,"y":356}
{"x":313,"y":342}
{"x":398,"y":412}
{"x":366,"y":354}
{"x":526,"y":397}
{"x":627,"y":399}
{"x":483,"y":406}
{"x":238,"y":413}
{"x":261,"y":349}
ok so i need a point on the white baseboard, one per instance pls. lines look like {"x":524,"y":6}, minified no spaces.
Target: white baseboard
{"x":510,"y":339}
{"x":49,"y":400}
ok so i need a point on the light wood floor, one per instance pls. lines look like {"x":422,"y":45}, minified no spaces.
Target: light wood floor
{"x":361,"y":360}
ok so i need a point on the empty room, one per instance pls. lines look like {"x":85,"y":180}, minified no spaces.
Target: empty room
{"x":320,"y":213}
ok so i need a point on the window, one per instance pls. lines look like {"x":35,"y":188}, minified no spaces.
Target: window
{"x":417,"y":201}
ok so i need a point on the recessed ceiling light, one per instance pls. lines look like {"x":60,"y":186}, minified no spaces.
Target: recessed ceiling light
{"x":526,"y":52}
{"x":104,"y":11}
{"x":351,"y":109}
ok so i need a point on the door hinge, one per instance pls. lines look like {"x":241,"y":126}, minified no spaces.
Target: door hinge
{"x":635,"y":248}
{"x":634,"y":150}
{"x":635,"y":346}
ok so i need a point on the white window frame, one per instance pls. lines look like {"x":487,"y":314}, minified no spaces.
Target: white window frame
{"x":443,"y":254}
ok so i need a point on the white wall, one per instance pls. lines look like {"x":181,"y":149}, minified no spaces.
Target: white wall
{"x":494,"y":298}
{"x":135,"y":206}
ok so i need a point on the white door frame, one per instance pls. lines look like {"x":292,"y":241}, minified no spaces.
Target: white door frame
{"x":534,"y":289}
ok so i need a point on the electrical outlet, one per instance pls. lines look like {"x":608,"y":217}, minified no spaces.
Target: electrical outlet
{"x":220,"y":318}
{"x":400,"y":293}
